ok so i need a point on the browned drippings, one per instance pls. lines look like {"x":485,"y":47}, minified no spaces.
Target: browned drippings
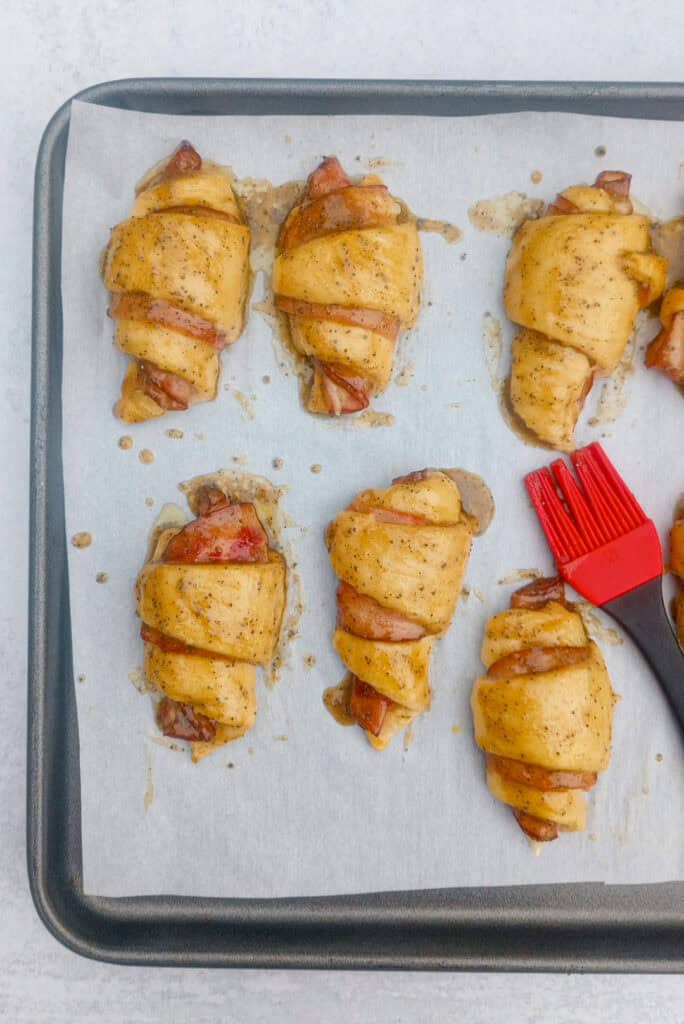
{"x":336,"y":700}
{"x":265,"y":206}
{"x":476,"y":498}
{"x":515,"y":423}
{"x":503,"y":215}
{"x":668,"y":241}
{"x":449,"y":232}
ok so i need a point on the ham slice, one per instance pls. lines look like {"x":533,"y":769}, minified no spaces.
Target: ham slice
{"x":532,"y":660}
{"x":539,"y":592}
{"x":342,"y":394}
{"x":328,"y":177}
{"x":232,"y":533}
{"x":167,"y":389}
{"x":140,"y":306}
{"x":368,"y":319}
{"x":544,"y":779}
{"x":185,"y":160}
{"x":182,"y":722}
{"x":536,"y":828}
{"x":368,"y":706}
{"x":364,"y":617}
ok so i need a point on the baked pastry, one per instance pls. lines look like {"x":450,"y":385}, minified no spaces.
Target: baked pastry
{"x":677,"y":568}
{"x":575,"y":280}
{"x":348,"y":276}
{"x":211,"y":599}
{"x":400,"y":554}
{"x":178,"y":274}
{"x":666,"y":351}
{"x":543,"y":713}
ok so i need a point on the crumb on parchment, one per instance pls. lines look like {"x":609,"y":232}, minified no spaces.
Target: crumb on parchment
{"x":126,"y":442}
{"x":102,"y":577}
{"x":146,"y":456}
{"x":83,"y":539}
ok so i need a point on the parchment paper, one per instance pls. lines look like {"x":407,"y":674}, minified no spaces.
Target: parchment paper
{"x":301,"y":806}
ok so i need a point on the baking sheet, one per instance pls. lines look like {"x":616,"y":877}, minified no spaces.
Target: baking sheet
{"x":301,"y":806}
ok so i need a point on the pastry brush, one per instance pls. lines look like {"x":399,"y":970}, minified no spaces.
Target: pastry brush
{"x":607,"y":548}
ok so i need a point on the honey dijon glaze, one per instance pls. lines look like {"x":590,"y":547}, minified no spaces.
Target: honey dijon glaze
{"x":212,"y":599}
{"x":576,"y":279}
{"x":400,"y":554}
{"x":178,"y":274}
{"x":543,"y":713}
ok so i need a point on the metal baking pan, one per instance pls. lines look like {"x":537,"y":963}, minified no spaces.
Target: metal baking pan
{"x":559,"y":928}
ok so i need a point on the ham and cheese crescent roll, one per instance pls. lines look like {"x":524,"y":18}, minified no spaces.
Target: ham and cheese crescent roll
{"x":401,"y":554}
{"x":575,"y":280}
{"x":543,"y":713}
{"x":666,"y":351}
{"x":178,"y":274}
{"x":677,"y":567}
{"x":211,"y":600}
{"x":348,"y":276}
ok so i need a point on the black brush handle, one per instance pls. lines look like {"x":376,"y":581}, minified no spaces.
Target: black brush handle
{"x":642,"y":613}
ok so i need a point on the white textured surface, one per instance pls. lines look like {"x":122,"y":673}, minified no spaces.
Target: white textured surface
{"x":53,"y":49}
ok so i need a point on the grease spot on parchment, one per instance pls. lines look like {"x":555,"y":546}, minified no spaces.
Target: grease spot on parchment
{"x":449,"y":232}
{"x":137,"y":677}
{"x":521,"y":574}
{"x":404,"y":375}
{"x":503,"y":215}
{"x":371,"y":419}
{"x":246,"y":404}
{"x":492,"y":340}
{"x":595,"y":626}
{"x":149,"y":787}
{"x":614,"y":392}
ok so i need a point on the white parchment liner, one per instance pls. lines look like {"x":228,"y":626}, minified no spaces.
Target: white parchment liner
{"x":301,"y":806}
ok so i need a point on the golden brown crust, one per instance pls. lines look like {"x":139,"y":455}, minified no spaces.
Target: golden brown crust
{"x":211,"y":601}
{"x":543,"y":712}
{"x":348,"y":276}
{"x":400,"y":553}
{"x":178,"y":274}
{"x":575,"y":280}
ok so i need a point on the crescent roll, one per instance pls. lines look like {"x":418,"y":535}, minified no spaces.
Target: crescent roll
{"x":400,"y":554}
{"x":543,"y":713}
{"x":666,"y":351}
{"x":348,"y":276}
{"x":575,"y":280}
{"x":677,"y":568}
{"x":211,"y":600}
{"x":178,"y":274}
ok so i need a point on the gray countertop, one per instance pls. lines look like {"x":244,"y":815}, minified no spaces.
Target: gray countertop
{"x":53,"y":49}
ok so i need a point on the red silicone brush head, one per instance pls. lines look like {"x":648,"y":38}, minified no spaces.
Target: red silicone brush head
{"x":602,"y":540}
